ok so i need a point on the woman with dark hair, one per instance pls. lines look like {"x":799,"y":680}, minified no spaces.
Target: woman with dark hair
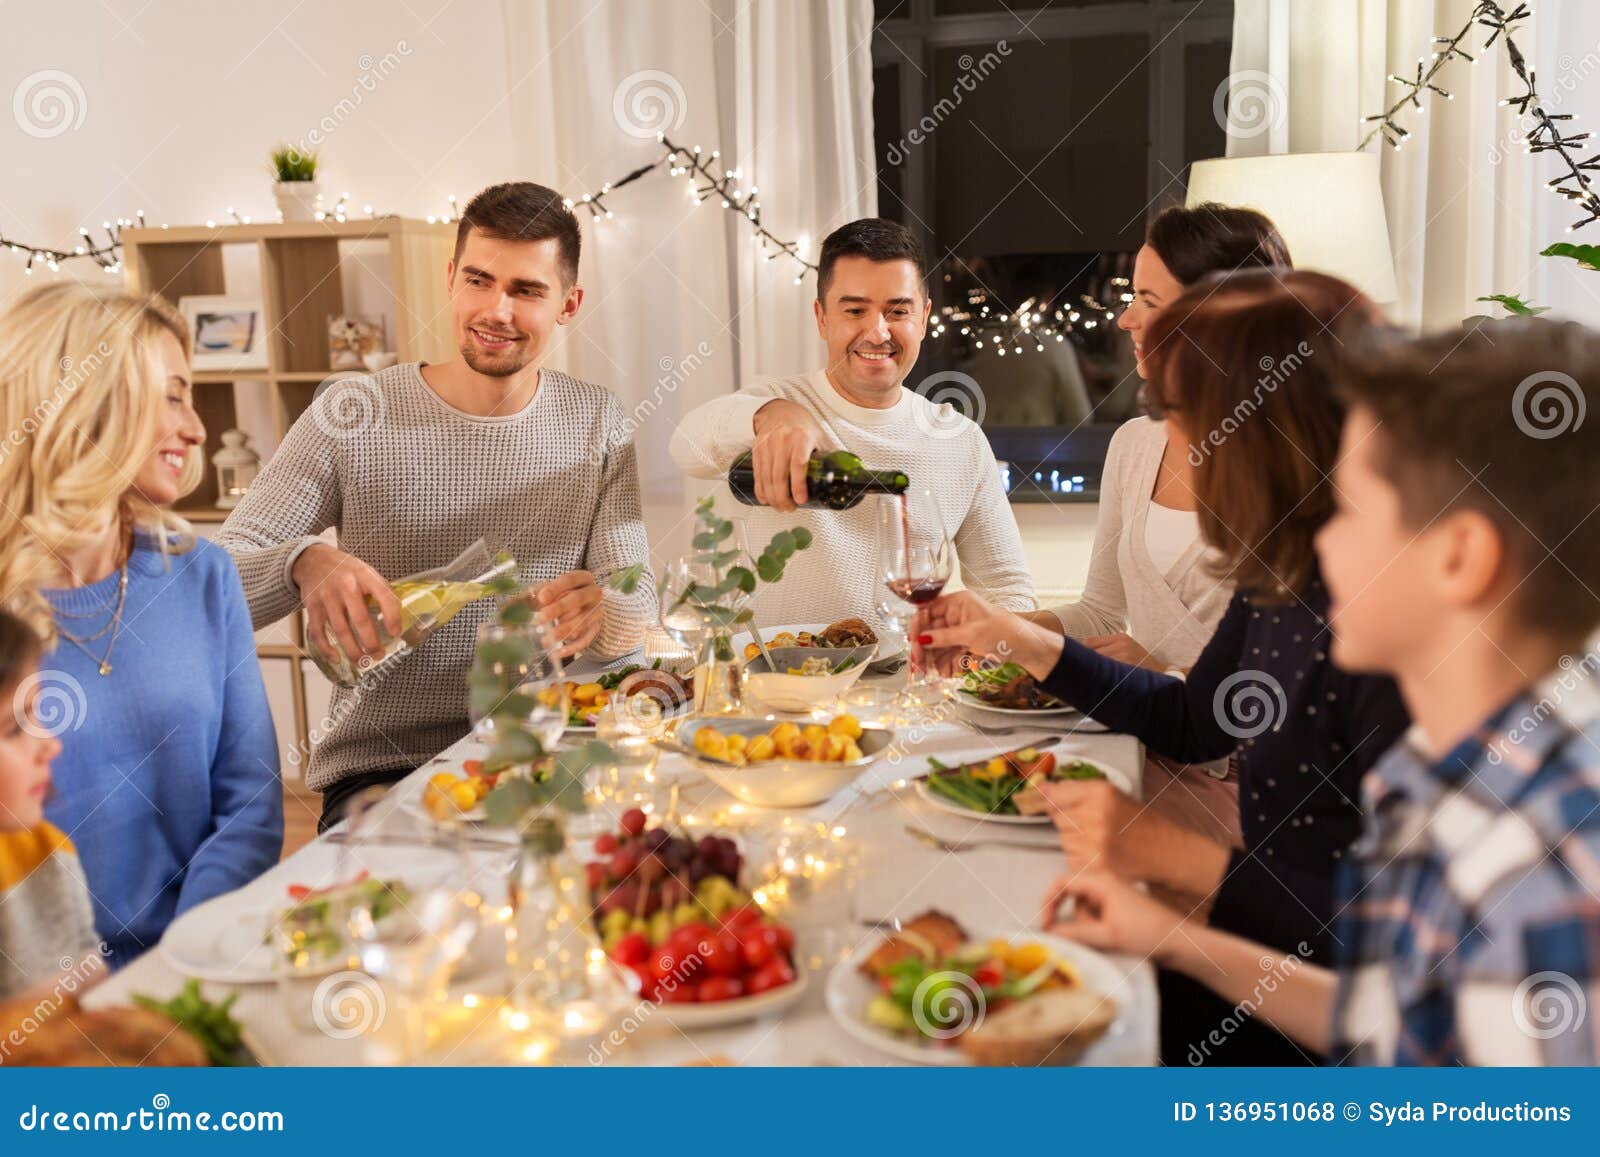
{"x":1240,"y":365}
{"x":1150,"y":597}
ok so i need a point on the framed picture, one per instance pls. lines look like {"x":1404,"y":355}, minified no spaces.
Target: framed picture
{"x":229,"y":332}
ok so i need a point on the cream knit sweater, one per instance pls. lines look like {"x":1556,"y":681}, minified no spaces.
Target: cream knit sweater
{"x":837,"y":576}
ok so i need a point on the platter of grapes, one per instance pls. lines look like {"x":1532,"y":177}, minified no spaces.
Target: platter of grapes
{"x":672,"y":915}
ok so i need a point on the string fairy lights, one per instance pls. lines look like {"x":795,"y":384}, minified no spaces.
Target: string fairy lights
{"x":1547,"y":134}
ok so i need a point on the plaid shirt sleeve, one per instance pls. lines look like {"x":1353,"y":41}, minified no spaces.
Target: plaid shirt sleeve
{"x":1471,"y":928}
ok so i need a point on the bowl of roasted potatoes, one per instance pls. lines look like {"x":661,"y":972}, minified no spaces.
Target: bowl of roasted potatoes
{"x":782,"y":764}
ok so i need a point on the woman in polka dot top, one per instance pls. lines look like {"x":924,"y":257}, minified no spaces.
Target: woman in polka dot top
{"x":1304,"y":731}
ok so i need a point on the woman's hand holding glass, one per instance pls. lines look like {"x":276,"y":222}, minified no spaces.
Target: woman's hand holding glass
{"x":956,"y":626}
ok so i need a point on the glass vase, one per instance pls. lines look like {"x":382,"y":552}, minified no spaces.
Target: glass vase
{"x":718,"y":679}
{"x":559,"y":975}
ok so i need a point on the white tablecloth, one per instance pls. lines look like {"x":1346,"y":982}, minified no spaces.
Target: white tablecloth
{"x":992,"y":891}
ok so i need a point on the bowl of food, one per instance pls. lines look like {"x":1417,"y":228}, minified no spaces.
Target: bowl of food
{"x":805,"y":677}
{"x":782,"y":764}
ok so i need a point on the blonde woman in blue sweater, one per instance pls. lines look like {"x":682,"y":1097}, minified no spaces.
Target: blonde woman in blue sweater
{"x":167,"y":781}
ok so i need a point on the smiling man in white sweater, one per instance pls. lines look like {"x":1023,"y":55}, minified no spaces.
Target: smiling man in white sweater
{"x":872,"y":312}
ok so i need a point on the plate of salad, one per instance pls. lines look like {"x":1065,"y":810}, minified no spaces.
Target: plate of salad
{"x":988,"y":788}
{"x":671,"y":692}
{"x":929,"y":992}
{"x":1009,"y":690}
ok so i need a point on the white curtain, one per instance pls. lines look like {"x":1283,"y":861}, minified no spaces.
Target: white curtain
{"x":1460,"y":194}
{"x":679,"y":305}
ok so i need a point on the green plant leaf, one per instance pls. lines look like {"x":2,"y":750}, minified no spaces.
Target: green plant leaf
{"x":802,"y":537}
{"x":513,"y":651}
{"x":769,"y":568}
{"x":782,"y":543}
{"x":745,"y":579}
{"x":509,"y":801}
{"x":517,"y":746}
{"x":626,"y":579}
{"x":1516,"y":305}
{"x":516,"y":613}
{"x":704,"y":540}
{"x":1587,"y":256}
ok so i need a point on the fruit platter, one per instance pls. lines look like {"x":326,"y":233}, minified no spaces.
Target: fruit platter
{"x":671,"y":913}
{"x":929,"y":991}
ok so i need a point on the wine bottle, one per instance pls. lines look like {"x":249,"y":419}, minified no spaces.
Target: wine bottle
{"x":834,"y":481}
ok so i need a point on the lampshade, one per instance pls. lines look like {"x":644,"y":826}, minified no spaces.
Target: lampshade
{"x":1328,"y":206}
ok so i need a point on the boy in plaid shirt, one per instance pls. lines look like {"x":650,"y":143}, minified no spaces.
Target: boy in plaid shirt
{"x":1464,"y":560}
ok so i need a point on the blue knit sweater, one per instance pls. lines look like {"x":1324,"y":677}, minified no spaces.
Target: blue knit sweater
{"x":167,"y":780}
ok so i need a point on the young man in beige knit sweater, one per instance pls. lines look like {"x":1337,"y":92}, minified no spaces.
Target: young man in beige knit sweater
{"x":414,"y":464}
{"x":872,"y":312}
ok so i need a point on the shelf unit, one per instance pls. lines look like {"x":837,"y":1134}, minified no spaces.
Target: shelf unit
{"x":300,"y":281}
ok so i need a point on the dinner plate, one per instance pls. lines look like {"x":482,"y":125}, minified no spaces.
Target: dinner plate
{"x":934,"y":799}
{"x":690,"y":1017}
{"x":848,"y":992}
{"x":968,"y":700}
{"x":224,"y":939}
{"x":890,"y":660}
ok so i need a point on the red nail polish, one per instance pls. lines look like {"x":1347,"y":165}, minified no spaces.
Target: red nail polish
{"x":924,"y":640}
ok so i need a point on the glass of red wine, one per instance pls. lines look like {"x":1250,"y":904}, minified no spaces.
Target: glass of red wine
{"x":915,"y":559}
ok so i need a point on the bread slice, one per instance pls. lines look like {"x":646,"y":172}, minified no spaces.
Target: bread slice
{"x":1052,"y":1027}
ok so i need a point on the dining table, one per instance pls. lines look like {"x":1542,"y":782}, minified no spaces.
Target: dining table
{"x":906,"y":855}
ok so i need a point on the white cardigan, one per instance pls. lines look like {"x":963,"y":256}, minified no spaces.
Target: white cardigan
{"x":1171,"y":615}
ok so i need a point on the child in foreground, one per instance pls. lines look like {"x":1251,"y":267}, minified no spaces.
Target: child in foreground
{"x":1463,"y":559}
{"x":46,"y":922}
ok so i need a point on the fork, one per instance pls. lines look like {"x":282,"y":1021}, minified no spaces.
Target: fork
{"x":957,"y":846}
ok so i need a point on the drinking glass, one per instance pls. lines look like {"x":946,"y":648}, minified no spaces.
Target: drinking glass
{"x":520,"y":659}
{"x":704,"y":629}
{"x":915,"y":559}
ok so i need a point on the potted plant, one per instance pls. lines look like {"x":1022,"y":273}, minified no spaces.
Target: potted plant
{"x":295,"y":188}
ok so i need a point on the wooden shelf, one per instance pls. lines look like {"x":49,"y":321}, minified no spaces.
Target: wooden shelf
{"x":300,"y":285}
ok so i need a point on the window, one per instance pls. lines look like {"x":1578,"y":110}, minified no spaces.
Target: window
{"x":1028,"y":146}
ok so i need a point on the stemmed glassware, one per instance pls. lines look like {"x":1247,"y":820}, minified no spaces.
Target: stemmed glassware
{"x":523,"y":659}
{"x":704,"y":629}
{"x":409,"y":929}
{"x":915,"y":559}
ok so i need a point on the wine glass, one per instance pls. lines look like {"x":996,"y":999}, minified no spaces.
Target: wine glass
{"x":701,"y":620}
{"x":915,"y":559}
{"x":520,"y":659}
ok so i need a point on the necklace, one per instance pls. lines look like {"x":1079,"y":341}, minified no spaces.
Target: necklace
{"x":113,"y":628}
